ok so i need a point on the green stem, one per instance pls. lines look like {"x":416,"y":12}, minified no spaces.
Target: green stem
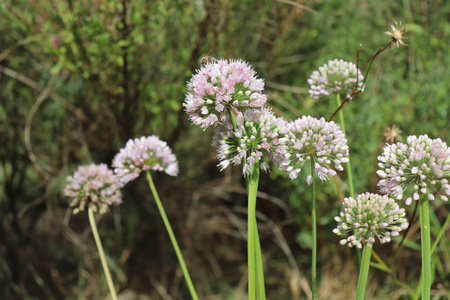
{"x":260,"y":286}
{"x":101,"y":253}
{"x":172,"y":237}
{"x":433,"y":248}
{"x":349,"y":166}
{"x":426,"y":242}
{"x":252,"y":251}
{"x":314,"y":236}
{"x":363,"y":273}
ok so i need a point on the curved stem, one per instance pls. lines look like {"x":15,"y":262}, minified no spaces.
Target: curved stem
{"x":162,"y":212}
{"x":349,"y":166}
{"x":363,"y":273}
{"x":314,"y":235}
{"x":426,"y":245}
{"x":101,"y":253}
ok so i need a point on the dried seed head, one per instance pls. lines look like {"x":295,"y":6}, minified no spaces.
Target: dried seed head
{"x":397,"y":34}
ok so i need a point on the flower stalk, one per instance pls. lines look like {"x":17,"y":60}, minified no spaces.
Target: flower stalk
{"x":314,"y":235}
{"x":363,"y":273}
{"x":426,"y":245}
{"x":260,"y":285}
{"x":255,"y":272}
{"x":252,"y":190}
{"x":418,"y":289}
{"x":101,"y":253}
{"x":162,"y":212}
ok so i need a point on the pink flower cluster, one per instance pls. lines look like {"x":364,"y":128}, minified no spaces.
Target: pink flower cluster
{"x":336,"y":76}
{"x":420,"y":166}
{"x":258,"y":137}
{"x":222,"y":87}
{"x":93,"y":185}
{"x":143,"y":154}
{"x":367,"y":217}
{"x":318,"y":141}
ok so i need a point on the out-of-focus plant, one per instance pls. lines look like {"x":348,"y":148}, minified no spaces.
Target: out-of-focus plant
{"x":96,"y":187}
{"x":146,"y":154}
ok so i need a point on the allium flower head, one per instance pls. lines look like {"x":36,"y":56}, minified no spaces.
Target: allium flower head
{"x":336,"y":76}
{"x":222,"y":86}
{"x":94,"y":185}
{"x":421,"y":166}
{"x":144,"y":154}
{"x":319,"y":141}
{"x":258,"y":137}
{"x":368,"y":217}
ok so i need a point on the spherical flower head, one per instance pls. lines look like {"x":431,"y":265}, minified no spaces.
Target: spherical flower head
{"x":335,"y":77}
{"x":257,"y":138}
{"x":420,"y":166}
{"x":144,"y":154}
{"x":368,"y":217}
{"x":221,"y":87}
{"x":318,"y":141}
{"x":93,"y":185}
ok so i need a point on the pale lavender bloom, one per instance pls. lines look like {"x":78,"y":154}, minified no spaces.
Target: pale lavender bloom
{"x":257,"y":138}
{"x":319,"y":141}
{"x":93,"y":185}
{"x":222,"y":87}
{"x":144,"y":154}
{"x":368,"y":217}
{"x":337,"y":76}
{"x":421,"y":166}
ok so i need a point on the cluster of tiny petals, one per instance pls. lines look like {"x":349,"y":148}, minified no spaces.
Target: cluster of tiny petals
{"x":319,"y":141}
{"x":144,"y":154}
{"x":258,"y":138}
{"x":94,"y":185}
{"x":368,"y":217}
{"x":335,"y":77}
{"x":221,"y":87}
{"x":421,"y":166}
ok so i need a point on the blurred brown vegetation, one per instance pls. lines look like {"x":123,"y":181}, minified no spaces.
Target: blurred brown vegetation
{"x":80,"y":78}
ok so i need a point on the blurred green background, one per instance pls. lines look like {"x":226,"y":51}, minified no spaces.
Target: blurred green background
{"x":80,"y":78}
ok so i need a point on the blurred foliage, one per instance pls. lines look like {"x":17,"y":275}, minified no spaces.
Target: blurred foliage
{"x":79,"y":78}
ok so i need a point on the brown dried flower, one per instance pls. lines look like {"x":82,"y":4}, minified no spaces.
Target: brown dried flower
{"x":397,"y":34}
{"x":392,"y":133}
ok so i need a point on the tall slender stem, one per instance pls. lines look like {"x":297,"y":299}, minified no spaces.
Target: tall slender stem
{"x":433,"y":248}
{"x":260,"y":286}
{"x":101,"y":253}
{"x":363,"y":273}
{"x":252,"y":186}
{"x":314,"y":235}
{"x":426,"y":246}
{"x":349,"y":166}
{"x":172,"y":237}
